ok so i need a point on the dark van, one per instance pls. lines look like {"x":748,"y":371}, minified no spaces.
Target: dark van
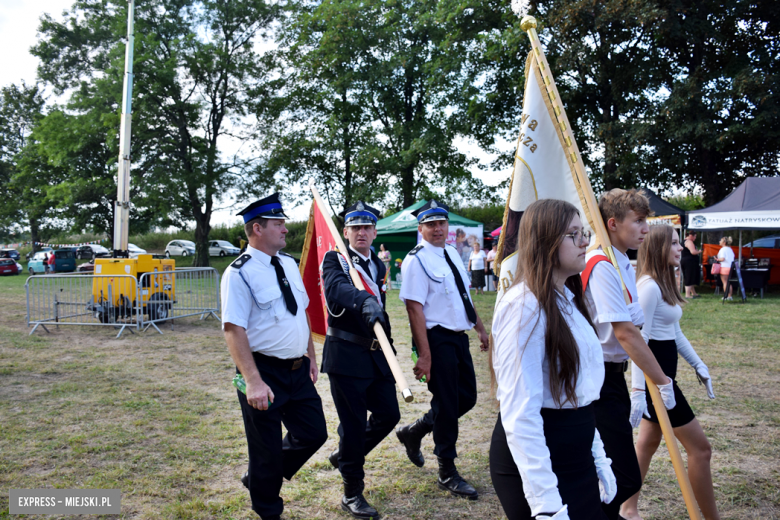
{"x":65,"y":260}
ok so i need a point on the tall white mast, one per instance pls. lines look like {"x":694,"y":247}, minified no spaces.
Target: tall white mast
{"x":122,"y":205}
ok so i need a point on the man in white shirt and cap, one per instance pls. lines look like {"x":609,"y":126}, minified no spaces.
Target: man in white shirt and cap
{"x":267,"y":333}
{"x":435,"y":291}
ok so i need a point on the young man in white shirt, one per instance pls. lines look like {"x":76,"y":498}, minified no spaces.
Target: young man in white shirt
{"x":625,"y":215}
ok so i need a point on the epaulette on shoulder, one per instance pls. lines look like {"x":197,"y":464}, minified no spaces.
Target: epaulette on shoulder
{"x":416,"y":250}
{"x":239,"y":262}
{"x":286,"y":254}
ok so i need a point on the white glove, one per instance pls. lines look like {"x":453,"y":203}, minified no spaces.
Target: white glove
{"x":563,"y":514}
{"x":638,"y":407}
{"x":704,"y":377}
{"x":667,"y":394}
{"x":637,"y":315}
{"x":607,"y":482}
{"x":685,"y":349}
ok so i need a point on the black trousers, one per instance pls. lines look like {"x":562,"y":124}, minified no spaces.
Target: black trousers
{"x":612,"y":411}
{"x":453,"y":385}
{"x":298,"y":406}
{"x":569,"y":435}
{"x":354,"y":397}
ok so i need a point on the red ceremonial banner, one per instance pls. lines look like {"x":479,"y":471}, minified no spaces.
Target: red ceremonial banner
{"x":317,"y":242}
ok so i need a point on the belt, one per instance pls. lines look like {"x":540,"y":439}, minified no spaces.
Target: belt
{"x":369,"y":343}
{"x":439,"y":328}
{"x":288,"y":364}
{"x":616,"y":367}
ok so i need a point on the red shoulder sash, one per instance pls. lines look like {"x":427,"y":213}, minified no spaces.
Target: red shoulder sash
{"x":589,"y":269}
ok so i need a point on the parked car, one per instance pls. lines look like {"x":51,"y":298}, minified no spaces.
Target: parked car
{"x":37,"y":263}
{"x":10,"y":253}
{"x":772,"y":242}
{"x":222,"y":248}
{"x":180,"y":248}
{"x":41,"y":250}
{"x":134,"y":250}
{"x":92,"y":251}
{"x":8,"y":266}
{"x":87,"y":267}
{"x":65,"y":260}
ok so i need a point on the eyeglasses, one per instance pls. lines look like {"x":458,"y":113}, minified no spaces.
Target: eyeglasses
{"x":580,"y":237}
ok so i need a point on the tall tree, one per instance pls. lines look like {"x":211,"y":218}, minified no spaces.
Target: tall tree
{"x":195,"y":63}
{"x":721,"y":119}
{"x":384,"y":97}
{"x":24,"y":175}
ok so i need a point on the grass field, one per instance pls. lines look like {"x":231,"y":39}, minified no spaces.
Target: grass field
{"x":155,"y":416}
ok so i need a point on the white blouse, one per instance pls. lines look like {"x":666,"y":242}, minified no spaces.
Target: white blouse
{"x":662,"y":322}
{"x":728,"y":257}
{"x":522,"y":373}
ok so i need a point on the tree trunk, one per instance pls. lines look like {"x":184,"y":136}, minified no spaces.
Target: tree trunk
{"x":34,"y":234}
{"x":202,"y":230}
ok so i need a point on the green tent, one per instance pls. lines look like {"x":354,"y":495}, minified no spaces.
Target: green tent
{"x":398,"y":232}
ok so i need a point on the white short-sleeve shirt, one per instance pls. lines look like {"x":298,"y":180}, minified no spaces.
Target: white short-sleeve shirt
{"x":477,"y":260}
{"x":728,"y":257}
{"x":604,"y":297}
{"x":253,"y":300}
{"x":428,"y":279}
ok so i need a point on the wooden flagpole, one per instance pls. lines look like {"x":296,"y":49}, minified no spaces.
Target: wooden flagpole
{"x":395,"y":368}
{"x":528,"y":24}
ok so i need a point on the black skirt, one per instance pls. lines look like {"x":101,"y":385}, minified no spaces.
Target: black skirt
{"x":691,"y":270}
{"x":478,"y":279}
{"x":665,"y":352}
{"x":569,"y":437}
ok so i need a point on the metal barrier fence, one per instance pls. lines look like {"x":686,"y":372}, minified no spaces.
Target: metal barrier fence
{"x":122,"y":301}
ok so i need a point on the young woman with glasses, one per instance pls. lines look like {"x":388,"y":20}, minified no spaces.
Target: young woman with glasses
{"x":546,"y":456}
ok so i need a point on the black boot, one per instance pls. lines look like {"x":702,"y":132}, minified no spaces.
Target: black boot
{"x":353,"y":501}
{"x":451,"y":481}
{"x":334,"y":458}
{"x":245,"y":480}
{"x":411,"y":436}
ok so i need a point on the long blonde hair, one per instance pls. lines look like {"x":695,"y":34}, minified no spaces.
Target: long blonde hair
{"x":653,"y":260}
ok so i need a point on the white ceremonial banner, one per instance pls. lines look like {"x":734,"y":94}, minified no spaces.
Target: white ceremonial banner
{"x":541,"y":170}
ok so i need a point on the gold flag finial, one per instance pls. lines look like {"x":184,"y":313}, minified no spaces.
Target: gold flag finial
{"x":528,"y":22}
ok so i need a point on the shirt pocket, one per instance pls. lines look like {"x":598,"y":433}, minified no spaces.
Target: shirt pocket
{"x":266,"y":297}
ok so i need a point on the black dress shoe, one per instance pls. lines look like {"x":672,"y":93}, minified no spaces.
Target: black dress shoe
{"x":334,"y":458}
{"x":411,"y":436}
{"x":450,"y":480}
{"x":353,"y":501}
{"x":245,"y":480}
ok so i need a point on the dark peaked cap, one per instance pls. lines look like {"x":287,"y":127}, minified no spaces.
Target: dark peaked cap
{"x":360,"y":214}
{"x":433,"y":210}
{"x":269,"y":207}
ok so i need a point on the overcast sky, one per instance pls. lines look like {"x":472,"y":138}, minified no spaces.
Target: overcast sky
{"x":19,"y":21}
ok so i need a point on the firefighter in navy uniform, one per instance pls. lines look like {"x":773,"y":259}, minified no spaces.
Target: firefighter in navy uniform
{"x":435,"y":291}
{"x":360,"y":378}
{"x":264,"y":321}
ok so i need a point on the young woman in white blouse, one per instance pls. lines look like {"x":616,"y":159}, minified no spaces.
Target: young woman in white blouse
{"x":546,"y":456}
{"x":661,"y":303}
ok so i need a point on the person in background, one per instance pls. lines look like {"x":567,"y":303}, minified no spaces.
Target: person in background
{"x":726,"y":258}
{"x":477,"y":268}
{"x":662,"y":304}
{"x":385,"y":256}
{"x":689,"y":264}
{"x":52,"y":263}
{"x":491,"y":259}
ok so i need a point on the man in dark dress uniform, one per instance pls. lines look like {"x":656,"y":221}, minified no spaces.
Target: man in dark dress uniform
{"x":360,"y":378}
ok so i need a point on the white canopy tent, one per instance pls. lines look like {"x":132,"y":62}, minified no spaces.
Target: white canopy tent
{"x":754,"y":204}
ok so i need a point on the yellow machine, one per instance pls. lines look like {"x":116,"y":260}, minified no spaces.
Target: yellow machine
{"x":114,"y":298}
